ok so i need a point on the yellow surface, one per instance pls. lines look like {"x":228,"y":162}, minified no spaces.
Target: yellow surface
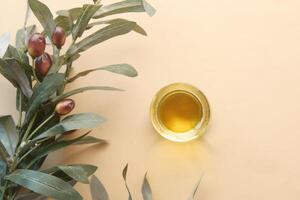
{"x":244,"y":55}
{"x":180,"y":112}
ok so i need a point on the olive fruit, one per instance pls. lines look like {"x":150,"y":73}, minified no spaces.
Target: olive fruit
{"x":43,"y":64}
{"x":36,"y":45}
{"x":58,"y":37}
{"x":64,"y":107}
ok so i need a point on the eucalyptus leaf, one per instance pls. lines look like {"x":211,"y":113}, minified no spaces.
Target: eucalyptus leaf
{"x":79,"y":173}
{"x":43,"y":92}
{"x":8,"y":134}
{"x":124,"y":174}
{"x":90,"y":140}
{"x":146,"y":189}
{"x":73,"y":122}
{"x":125,"y":7}
{"x":44,"y":15}
{"x":4,"y":42}
{"x":22,"y":36}
{"x":12,"y":71}
{"x":44,"y":184}
{"x":124,"y":69}
{"x":110,"y":31}
{"x":80,"y":90}
{"x":83,"y":20}
{"x":98,"y":191}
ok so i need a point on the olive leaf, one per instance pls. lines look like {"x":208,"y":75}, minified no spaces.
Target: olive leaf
{"x":97,"y":189}
{"x":125,"y":7}
{"x":73,"y":13}
{"x":44,"y":184}
{"x":65,"y":22}
{"x":73,"y":122}
{"x":3,"y":153}
{"x":124,"y":69}
{"x":12,"y":71}
{"x":124,"y":174}
{"x":23,"y":35}
{"x":49,"y":148}
{"x":137,"y":27}
{"x":192,"y":197}
{"x":80,"y":90}
{"x":4,"y":42}
{"x":8,"y":134}
{"x":3,"y":170}
{"x":110,"y":31}
{"x":44,"y":15}
{"x":146,"y":189}
{"x":66,"y":18}
{"x":83,"y":20}
{"x":90,"y":140}
{"x":43,"y":92}
{"x":30,"y":196}
{"x":79,"y":173}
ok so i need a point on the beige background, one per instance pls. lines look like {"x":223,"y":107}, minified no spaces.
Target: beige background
{"x":244,"y":55}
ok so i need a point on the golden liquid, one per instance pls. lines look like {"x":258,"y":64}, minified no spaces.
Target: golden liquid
{"x":180,"y":112}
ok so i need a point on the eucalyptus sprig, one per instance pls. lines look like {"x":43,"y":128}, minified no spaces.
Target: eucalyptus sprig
{"x":40,"y":78}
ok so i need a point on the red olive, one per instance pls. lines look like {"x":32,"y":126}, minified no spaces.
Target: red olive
{"x":43,"y":64}
{"x":58,"y":37}
{"x":64,"y":107}
{"x":36,"y":45}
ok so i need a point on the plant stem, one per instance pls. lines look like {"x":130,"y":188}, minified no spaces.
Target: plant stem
{"x":40,"y":126}
{"x":33,"y":71}
{"x":28,"y":129}
{"x":26,"y":154}
{"x":20,"y":111}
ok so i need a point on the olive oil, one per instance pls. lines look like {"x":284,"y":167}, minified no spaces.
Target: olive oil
{"x":180,"y":112}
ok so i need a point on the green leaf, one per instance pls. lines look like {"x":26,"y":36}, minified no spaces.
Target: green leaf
{"x":146,"y":189}
{"x":12,"y":71}
{"x":192,"y":197}
{"x":8,"y":134}
{"x":3,"y":170}
{"x":124,"y":174}
{"x":73,"y":13}
{"x":44,"y":184}
{"x":30,"y":196}
{"x":79,"y":173}
{"x":83,"y":20}
{"x":49,"y":148}
{"x":3,"y":153}
{"x":73,"y":122}
{"x":80,"y":90}
{"x":98,"y":191}
{"x":124,"y":69}
{"x":22,"y":36}
{"x":4,"y":42}
{"x":43,"y":92}
{"x":125,"y":7}
{"x":65,"y":22}
{"x":137,"y":27}
{"x":17,"y":54}
{"x":90,"y":140}
{"x":102,"y":35}
{"x":44,"y":15}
